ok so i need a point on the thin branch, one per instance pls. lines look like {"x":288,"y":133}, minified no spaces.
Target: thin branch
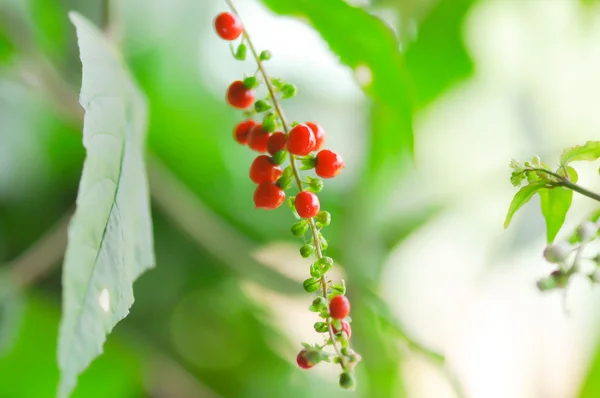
{"x":42,"y":256}
{"x":565,"y":182}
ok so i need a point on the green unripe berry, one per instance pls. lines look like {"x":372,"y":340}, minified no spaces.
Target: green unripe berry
{"x":347,"y":381}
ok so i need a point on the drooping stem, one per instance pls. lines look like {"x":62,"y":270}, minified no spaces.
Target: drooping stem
{"x":565,"y":182}
{"x":311,"y":221}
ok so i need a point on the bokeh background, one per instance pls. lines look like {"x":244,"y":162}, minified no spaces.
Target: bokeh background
{"x":420,"y":243}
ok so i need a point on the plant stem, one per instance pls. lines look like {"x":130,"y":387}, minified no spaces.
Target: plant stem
{"x":568,"y":184}
{"x":311,"y":221}
{"x":41,"y":256}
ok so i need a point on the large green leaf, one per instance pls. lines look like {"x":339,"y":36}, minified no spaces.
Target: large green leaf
{"x":110,"y":235}
{"x":523,"y":196}
{"x":590,"y":152}
{"x":368,"y":46}
{"x":555,"y":204}
{"x":438,"y":58}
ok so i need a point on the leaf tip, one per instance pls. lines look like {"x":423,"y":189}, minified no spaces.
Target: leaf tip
{"x":74,"y":17}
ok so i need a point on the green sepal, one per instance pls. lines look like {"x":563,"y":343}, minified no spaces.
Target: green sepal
{"x":338,"y":289}
{"x":279,"y":157}
{"x":307,"y":163}
{"x":337,"y":324}
{"x":251,"y":82}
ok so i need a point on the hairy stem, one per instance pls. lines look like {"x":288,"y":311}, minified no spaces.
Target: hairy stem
{"x":311,"y":221}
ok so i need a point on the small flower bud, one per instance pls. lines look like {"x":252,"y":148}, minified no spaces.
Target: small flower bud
{"x":311,"y":285}
{"x":557,"y":252}
{"x":288,"y":90}
{"x":261,"y":106}
{"x":556,"y":280}
{"x":284,"y":182}
{"x":265,"y":55}
{"x":279,"y":157}
{"x":251,"y":82}
{"x":587,"y":231}
{"x":321,"y":327}
{"x":277,"y":82}
{"x":324,"y":218}
{"x":240,"y":54}
{"x":307,"y":250}
{"x":347,"y":381}
{"x":269,"y":123}
{"x":320,"y":303}
{"x":300,"y":228}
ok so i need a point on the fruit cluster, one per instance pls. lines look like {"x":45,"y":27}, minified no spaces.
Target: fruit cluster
{"x":301,"y":144}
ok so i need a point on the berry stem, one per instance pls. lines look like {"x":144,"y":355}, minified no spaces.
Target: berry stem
{"x":311,"y":221}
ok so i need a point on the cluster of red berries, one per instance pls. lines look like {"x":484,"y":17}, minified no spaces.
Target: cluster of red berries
{"x":276,"y":142}
{"x":265,"y":170}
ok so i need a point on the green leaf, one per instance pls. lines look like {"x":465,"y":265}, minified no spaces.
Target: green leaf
{"x":121,"y":367}
{"x":369,"y":47}
{"x":555,"y":204}
{"x":110,"y":235}
{"x":590,"y":387}
{"x":590,"y":152}
{"x":439,"y":42}
{"x":523,"y":196}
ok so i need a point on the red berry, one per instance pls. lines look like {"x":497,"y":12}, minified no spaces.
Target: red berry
{"x":302,"y":361}
{"x":307,"y":204}
{"x":268,"y":196}
{"x":328,"y":164}
{"x":301,"y":140}
{"x":345,"y":328}
{"x":240,"y":132}
{"x":263,"y":170}
{"x":228,"y":26}
{"x":319,"y":133}
{"x":240,"y":96}
{"x":257,"y":139}
{"x":276,"y":143}
{"x":339,"y":307}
